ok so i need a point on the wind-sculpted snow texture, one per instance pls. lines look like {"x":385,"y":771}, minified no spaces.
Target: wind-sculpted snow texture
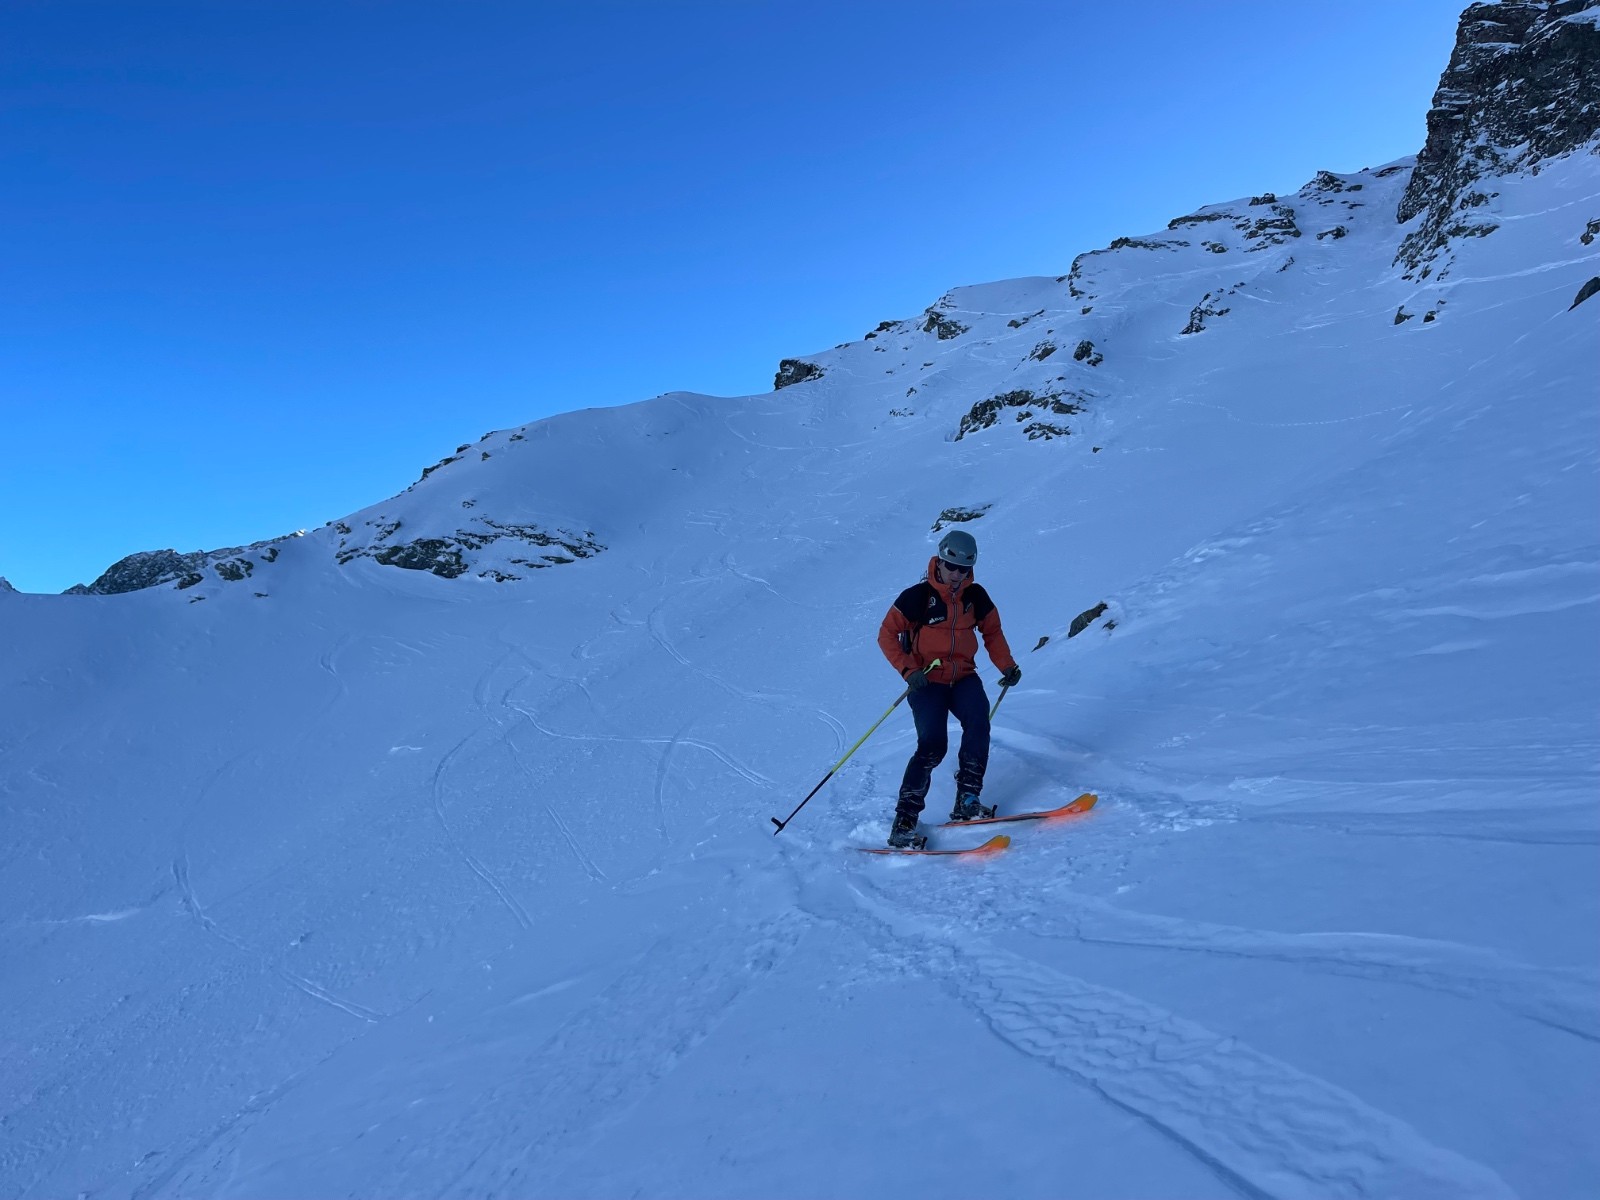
{"x":359,"y":881}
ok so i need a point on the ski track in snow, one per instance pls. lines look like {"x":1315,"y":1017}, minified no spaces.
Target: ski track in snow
{"x":234,"y":1123}
{"x":749,"y":774}
{"x":192,"y":905}
{"x":491,"y":715}
{"x":436,"y":790}
{"x":517,"y":1137}
{"x":328,"y":661}
{"x":585,"y":860}
{"x":1568,"y":1000}
{"x":745,"y":694}
{"x":658,"y":793}
{"x":1267,"y":1128}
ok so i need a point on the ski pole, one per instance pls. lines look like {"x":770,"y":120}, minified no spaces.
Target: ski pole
{"x":1004,"y":688}
{"x":848,"y":753}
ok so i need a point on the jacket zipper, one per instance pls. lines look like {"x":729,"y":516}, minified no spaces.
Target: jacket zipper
{"x":955,"y":609}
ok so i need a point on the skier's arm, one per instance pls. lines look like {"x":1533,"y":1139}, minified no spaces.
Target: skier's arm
{"x":894,"y":624}
{"x":994,"y":641}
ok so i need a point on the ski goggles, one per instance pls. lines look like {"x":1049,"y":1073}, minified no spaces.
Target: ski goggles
{"x":956,"y":567}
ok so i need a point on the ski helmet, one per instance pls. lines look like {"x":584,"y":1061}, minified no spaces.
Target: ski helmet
{"x":959,"y":547}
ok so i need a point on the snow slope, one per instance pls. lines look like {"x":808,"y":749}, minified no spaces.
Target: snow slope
{"x":347,"y":880}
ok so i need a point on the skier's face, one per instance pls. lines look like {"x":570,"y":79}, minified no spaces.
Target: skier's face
{"x":950,"y":574}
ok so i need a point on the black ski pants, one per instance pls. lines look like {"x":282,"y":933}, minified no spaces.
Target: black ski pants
{"x":932,"y":706}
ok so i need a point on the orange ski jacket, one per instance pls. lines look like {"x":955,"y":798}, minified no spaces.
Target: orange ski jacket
{"x":929,"y":621}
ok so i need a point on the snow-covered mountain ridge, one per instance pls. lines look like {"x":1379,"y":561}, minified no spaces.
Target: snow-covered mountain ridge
{"x":390,"y":881}
{"x":1522,"y":88}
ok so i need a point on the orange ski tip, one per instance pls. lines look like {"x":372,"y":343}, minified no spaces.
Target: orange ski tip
{"x":993,"y":846}
{"x":1082,"y":804}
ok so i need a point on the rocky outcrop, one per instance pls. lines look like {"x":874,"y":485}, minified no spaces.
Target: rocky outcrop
{"x":5,"y":586}
{"x":1085,"y":619}
{"x":1272,"y":229}
{"x":1211,"y":305}
{"x":1027,"y":409}
{"x":453,"y":554}
{"x":1134,"y":243}
{"x":154,"y":568}
{"x":1587,"y":290}
{"x":1074,"y":277}
{"x":959,"y":516}
{"x":1522,"y":86}
{"x":794,"y":370}
{"x":1199,"y":219}
{"x":942,"y":326}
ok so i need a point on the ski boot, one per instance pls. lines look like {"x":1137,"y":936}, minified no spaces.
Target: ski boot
{"x":903,"y":834}
{"x":968,"y":808}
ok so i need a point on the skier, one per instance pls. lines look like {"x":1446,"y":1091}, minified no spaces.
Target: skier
{"x":940,"y":618}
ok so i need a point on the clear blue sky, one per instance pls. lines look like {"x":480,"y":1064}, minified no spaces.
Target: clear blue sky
{"x":264,"y":261}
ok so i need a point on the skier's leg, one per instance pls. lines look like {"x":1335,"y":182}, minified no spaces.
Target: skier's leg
{"x":970,"y":704}
{"x":930,"y":708}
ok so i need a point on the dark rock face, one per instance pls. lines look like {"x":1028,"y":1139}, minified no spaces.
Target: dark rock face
{"x":1271,"y":230}
{"x":153,"y":568}
{"x":794,"y":370}
{"x":1028,"y":407}
{"x":150,"y":568}
{"x":1199,"y":219}
{"x":1327,"y":181}
{"x":445,"y":556}
{"x":424,"y":554}
{"x":1211,"y":305}
{"x":959,"y":516}
{"x":1086,"y":353}
{"x":1085,"y":619}
{"x":1587,"y":290}
{"x":1522,"y":86}
{"x":945,"y":327}
{"x":5,"y":585}
{"x":1133,"y":243}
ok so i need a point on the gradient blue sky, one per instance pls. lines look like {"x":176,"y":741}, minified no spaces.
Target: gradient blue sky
{"x":263,"y":262}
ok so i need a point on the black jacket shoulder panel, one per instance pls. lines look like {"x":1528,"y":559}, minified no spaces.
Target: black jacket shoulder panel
{"x":913,"y":603}
{"x":982,"y":606}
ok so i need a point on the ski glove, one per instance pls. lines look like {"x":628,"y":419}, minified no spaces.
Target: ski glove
{"x":916,"y":680}
{"x":1012,"y":677}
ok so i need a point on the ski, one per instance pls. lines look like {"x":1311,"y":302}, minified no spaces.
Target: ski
{"x":1077,"y":808}
{"x":993,"y":846}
